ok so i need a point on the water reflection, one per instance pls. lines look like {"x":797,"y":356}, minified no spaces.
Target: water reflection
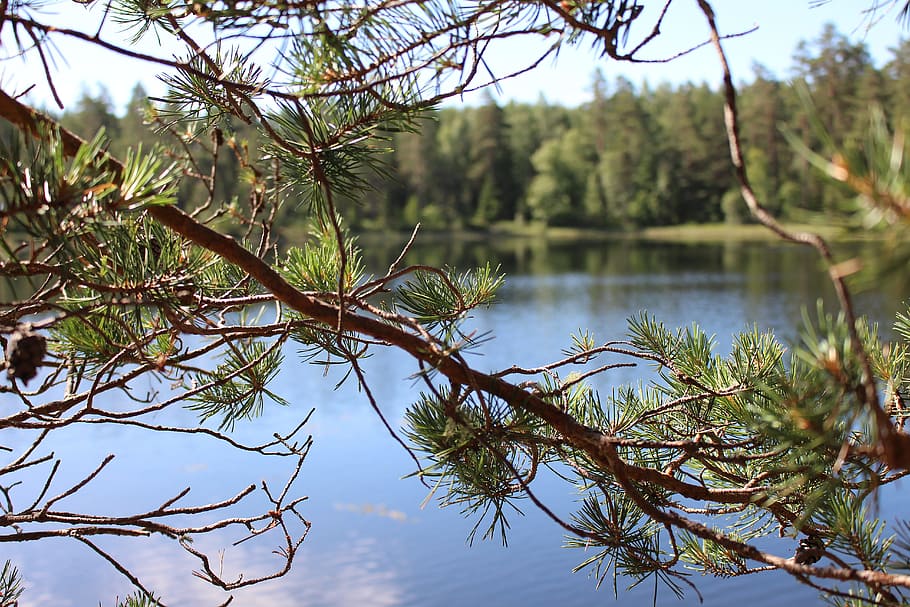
{"x":371,"y":544}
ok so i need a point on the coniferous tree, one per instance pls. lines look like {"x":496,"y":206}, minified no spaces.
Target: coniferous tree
{"x":489,"y":175}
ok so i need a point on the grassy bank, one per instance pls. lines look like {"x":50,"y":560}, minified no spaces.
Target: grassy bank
{"x":680,"y":233}
{"x":720,"y":232}
{"x":715,"y":232}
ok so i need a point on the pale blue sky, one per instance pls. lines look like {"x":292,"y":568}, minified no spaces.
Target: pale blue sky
{"x":781,"y":25}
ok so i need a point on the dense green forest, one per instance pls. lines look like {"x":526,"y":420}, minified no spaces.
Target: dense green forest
{"x":630,"y":157}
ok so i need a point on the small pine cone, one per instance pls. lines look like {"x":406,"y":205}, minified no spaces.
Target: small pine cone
{"x":24,"y":352}
{"x":810,"y":550}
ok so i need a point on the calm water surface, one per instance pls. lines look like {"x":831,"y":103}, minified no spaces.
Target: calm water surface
{"x":372,"y":545}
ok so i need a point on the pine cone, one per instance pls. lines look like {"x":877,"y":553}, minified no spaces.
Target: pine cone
{"x":810,"y":550}
{"x":24,"y":352}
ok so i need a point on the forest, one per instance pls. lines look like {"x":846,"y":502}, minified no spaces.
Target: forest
{"x":633,"y":156}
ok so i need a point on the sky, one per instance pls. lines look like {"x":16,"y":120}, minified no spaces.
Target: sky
{"x":781,"y":24}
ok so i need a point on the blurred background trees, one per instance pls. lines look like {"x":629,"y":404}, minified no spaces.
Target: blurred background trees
{"x":633,"y":156}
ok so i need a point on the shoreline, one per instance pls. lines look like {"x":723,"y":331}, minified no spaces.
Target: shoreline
{"x":714,"y":232}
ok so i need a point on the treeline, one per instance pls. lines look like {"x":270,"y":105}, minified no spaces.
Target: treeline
{"x":630,"y":157}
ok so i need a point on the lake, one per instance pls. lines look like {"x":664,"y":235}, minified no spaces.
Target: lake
{"x":371,"y":543}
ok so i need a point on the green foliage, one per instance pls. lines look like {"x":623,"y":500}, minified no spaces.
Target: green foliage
{"x":101,"y":336}
{"x":555,"y":195}
{"x":42,"y":191}
{"x":324,"y":345}
{"x":329,"y":148}
{"x":319,"y":265}
{"x":138,"y":258}
{"x":902,"y":325}
{"x":237,"y":389}
{"x":141,"y":17}
{"x":219,"y":278}
{"x":900,"y":548}
{"x":10,"y":585}
{"x":139,"y":599}
{"x":711,"y":558}
{"x":144,"y":182}
{"x":853,"y":533}
{"x":476,"y":453}
{"x":864,"y":541}
{"x":630,"y":542}
{"x":118,"y":266}
{"x":195,"y":100}
{"x":128,"y":284}
{"x":443,"y":298}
